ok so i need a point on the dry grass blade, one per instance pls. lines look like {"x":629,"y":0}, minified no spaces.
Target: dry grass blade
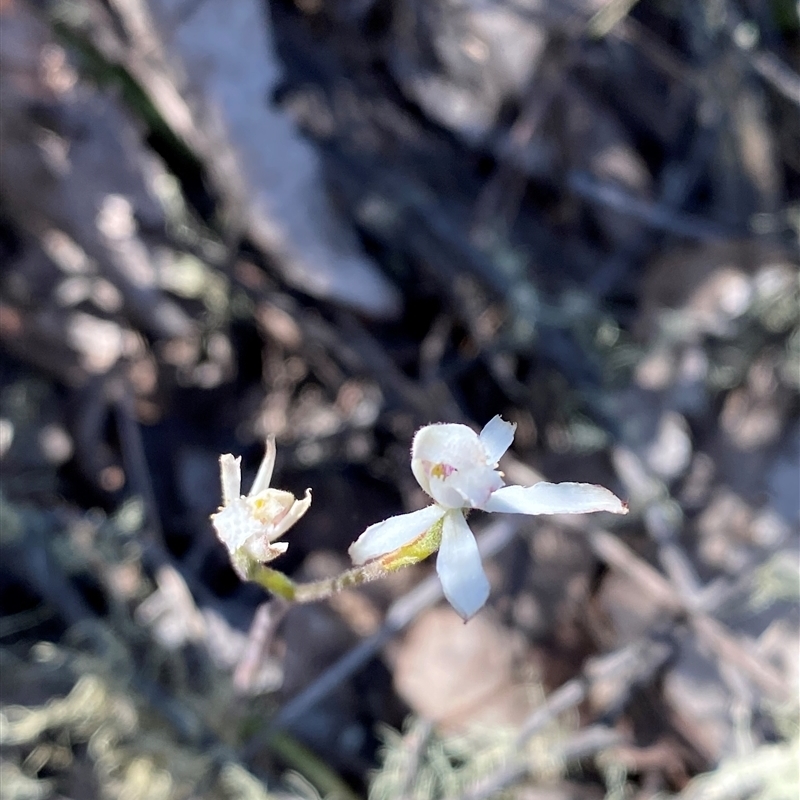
{"x":723,"y":643}
{"x":777,"y":74}
{"x":582,"y":744}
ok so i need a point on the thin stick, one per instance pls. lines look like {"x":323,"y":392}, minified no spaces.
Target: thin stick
{"x":721,"y":641}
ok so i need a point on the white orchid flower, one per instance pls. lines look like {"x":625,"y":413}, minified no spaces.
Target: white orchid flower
{"x":458,"y":469}
{"x":248,"y":526}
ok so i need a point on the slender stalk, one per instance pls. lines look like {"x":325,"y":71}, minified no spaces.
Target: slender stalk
{"x":319,"y":590}
{"x":283,"y":586}
{"x":279,"y":584}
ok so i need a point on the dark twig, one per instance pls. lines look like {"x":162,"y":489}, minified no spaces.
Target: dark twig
{"x":655,"y":215}
{"x":134,"y":459}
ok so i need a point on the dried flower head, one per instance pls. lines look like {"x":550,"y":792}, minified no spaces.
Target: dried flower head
{"x":249,"y":525}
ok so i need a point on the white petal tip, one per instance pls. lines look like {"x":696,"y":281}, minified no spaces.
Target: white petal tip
{"x":470,"y":613}
{"x":474,"y":603}
{"x":464,"y":582}
{"x":555,"y":498}
{"x":230,"y":470}
{"x":496,"y":437}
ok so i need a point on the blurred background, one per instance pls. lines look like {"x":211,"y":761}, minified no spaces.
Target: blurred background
{"x":335,"y":221}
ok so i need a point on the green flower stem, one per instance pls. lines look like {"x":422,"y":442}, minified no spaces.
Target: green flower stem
{"x":273,"y":581}
{"x":281,"y":585}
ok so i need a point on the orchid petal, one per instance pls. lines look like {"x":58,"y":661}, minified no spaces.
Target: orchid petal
{"x":444,"y":493}
{"x":245,"y":558}
{"x":261,"y":550}
{"x":391,"y":534}
{"x":450,"y":446}
{"x":475,"y":485}
{"x":295,"y":512}
{"x":264,"y":474}
{"x":459,"y":567}
{"x":420,"y":469}
{"x":555,"y":498}
{"x":235,"y":524}
{"x":230,"y":470}
{"x":496,"y":438}
{"x":450,"y":463}
{"x":447,"y":443}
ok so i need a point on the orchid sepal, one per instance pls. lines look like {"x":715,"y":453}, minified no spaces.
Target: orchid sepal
{"x":416,"y":551}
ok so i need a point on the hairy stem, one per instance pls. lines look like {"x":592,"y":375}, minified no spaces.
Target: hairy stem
{"x":283,"y":586}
